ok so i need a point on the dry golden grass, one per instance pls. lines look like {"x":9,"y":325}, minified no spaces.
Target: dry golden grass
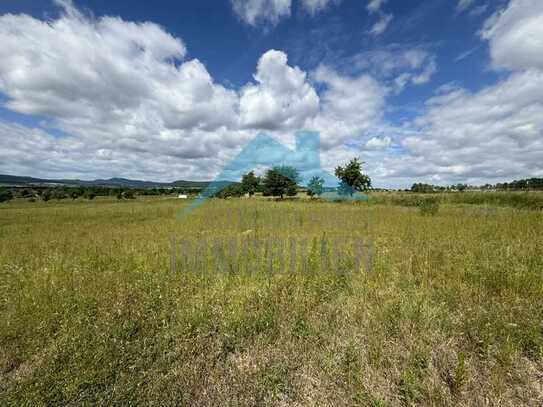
{"x":94,"y":312}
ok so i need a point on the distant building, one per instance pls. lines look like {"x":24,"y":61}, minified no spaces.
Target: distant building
{"x":182,"y":196}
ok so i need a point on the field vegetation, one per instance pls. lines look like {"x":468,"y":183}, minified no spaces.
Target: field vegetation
{"x":253,"y":301}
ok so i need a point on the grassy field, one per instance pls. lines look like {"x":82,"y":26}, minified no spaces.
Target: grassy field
{"x":270,"y":303}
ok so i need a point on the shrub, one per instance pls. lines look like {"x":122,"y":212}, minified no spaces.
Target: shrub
{"x":46,"y":195}
{"x":428,"y":206}
{"x":5,"y":195}
{"x":129,"y":195}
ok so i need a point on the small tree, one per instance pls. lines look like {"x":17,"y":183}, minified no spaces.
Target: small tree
{"x":46,"y":195}
{"x":315,"y":186}
{"x":129,"y":194}
{"x":59,"y":194}
{"x":232,"y":190}
{"x":281,"y":181}
{"x":250,"y":183}
{"x":5,"y":195}
{"x":351,"y":175}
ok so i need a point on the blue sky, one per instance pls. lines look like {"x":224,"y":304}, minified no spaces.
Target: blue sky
{"x":171,"y":90}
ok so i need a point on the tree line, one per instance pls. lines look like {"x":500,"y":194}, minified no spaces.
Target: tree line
{"x":528,"y":184}
{"x":45,"y":194}
{"x":284,"y":181}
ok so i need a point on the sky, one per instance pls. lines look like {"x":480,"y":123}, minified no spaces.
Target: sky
{"x":440,"y":91}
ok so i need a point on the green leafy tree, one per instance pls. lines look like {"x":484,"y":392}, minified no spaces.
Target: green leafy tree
{"x":281,"y":181}
{"x":232,"y":190}
{"x":59,"y":194}
{"x":5,"y":195}
{"x":46,"y":195}
{"x":76,"y":193}
{"x":250,"y":183}
{"x":461,"y":187}
{"x":129,"y":194}
{"x":315,"y":186}
{"x":351,"y":176}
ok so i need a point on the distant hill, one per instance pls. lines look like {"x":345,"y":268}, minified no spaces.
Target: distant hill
{"x":14,"y":180}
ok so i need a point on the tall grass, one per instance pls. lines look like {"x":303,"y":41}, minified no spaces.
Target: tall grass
{"x":95,"y":310}
{"x":518,"y":200}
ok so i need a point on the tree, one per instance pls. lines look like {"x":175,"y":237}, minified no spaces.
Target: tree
{"x":59,"y":194}
{"x":46,"y":195}
{"x":232,"y":190}
{"x":351,"y":176}
{"x":461,"y":187}
{"x":5,"y":195}
{"x":250,"y":183}
{"x":423,"y":188}
{"x":281,"y":181}
{"x":129,"y":194}
{"x":315,"y":186}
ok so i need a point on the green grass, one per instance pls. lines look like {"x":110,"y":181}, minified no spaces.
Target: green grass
{"x":96,"y":310}
{"x":518,"y":200}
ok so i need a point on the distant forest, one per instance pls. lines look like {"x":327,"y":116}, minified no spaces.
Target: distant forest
{"x":528,"y":184}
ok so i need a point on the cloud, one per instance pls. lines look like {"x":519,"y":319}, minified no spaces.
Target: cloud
{"x":116,"y":87}
{"x":282,"y":97}
{"x":350,"y":106}
{"x":376,"y":143}
{"x":129,"y":102}
{"x":382,"y":24}
{"x":374,"y":6}
{"x":515,"y":36}
{"x":82,"y":71}
{"x":463,"y":5}
{"x":477,"y":11}
{"x":314,"y":6}
{"x":397,"y":66}
{"x":493,"y":134}
{"x":254,"y":12}
{"x":466,"y":54}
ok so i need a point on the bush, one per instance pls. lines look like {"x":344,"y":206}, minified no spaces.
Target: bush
{"x":59,"y":194}
{"x":129,"y":195}
{"x":5,"y":195}
{"x":46,"y":195}
{"x":428,"y":206}
{"x":232,"y":190}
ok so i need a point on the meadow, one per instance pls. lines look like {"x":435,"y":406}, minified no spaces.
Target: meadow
{"x":253,"y":302}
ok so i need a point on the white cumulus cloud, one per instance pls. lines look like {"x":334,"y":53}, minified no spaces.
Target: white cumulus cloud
{"x":281,"y":98}
{"x":515,"y":35}
{"x":254,"y":12}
